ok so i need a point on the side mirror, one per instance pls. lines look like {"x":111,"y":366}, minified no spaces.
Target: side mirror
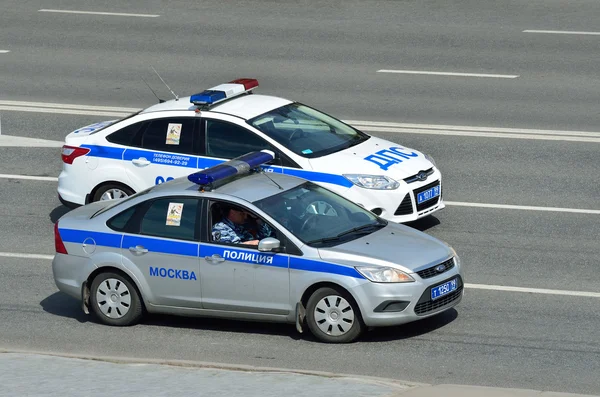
{"x":276,"y":160}
{"x":268,"y":244}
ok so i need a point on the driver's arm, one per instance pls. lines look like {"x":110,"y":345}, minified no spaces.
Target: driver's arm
{"x":222,"y":233}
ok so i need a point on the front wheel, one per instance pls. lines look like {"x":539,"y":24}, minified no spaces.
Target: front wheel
{"x":333,"y":316}
{"x":115,"y":300}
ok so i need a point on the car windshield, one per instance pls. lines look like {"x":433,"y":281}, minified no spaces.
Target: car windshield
{"x":320,"y":217}
{"x":306,"y":131}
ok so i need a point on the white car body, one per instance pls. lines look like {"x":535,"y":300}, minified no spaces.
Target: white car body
{"x":129,"y":168}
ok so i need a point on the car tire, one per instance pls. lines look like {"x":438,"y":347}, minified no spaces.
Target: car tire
{"x":333,"y":316}
{"x":114,"y":190}
{"x":115,"y":300}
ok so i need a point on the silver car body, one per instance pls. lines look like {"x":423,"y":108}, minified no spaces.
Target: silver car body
{"x":200,"y":278}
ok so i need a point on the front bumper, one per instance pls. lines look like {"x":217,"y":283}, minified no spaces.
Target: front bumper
{"x":384,"y":304}
{"x":400,"y":205}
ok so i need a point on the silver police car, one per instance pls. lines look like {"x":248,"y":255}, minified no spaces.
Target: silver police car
{"x":237,"y":242}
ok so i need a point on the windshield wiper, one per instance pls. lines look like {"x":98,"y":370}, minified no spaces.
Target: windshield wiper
{"x":361,"y":228}
{"x":323,"y":240}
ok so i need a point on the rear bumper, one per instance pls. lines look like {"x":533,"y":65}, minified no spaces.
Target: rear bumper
{"x":70,"y":190}
{"x":68,"y":204}
{"x":70,"y":272}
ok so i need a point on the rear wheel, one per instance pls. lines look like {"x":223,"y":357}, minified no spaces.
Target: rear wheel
{"x":333,"y":316}
{"x":115,"y":300}
{"x":112,"y":191}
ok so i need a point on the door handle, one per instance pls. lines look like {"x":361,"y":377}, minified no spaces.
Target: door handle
{"x":141,"y":162}
{"x":215,"y":258}
{"x":138,"y":249}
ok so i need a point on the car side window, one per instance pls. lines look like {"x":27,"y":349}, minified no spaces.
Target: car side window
{"x":234,"y":224}
{"x":128,"y":135}
{"x":227,"y":140}
{"x":174,"y":134}
{"x":173,"y":217}
{"x":119,"y":221}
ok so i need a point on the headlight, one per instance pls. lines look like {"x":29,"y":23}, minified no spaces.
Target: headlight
{"x":428,"y":157}
{"x":379,"y":182}
{"x":380,"y":274}
{"x":456,"y":260}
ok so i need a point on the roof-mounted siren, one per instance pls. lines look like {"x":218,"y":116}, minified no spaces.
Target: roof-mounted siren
{"x":225,"y":91}
{"x":237,"y":166}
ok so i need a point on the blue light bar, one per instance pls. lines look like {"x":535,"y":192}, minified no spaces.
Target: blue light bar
{"x":224,"y":91}
{"x":239,"y":165}
{"x":207,"y":97}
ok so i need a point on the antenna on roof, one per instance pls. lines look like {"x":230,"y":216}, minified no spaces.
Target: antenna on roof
{"x":159,"y":100}
{"x":265,"y":173}
{"x":161,"y":79}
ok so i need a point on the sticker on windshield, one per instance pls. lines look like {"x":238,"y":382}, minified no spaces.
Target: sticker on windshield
{"x":174,"y":214}
{"x":173,"y":134}
{"x":307,"y":151}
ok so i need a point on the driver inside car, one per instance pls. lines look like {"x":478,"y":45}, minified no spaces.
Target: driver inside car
{"x":239,"y":227}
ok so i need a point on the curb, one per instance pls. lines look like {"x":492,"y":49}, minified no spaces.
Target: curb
{"x":399,"y":385}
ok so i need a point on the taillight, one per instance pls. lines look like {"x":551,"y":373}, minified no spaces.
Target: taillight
{"x":70,"y":153}
{"x":58,"y":243}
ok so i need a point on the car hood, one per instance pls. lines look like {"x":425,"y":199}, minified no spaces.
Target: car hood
{"x":395,"y":245}
{"x":375,"y":156}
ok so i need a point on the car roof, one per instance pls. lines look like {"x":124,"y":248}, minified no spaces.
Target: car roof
{"x":243,"y":106}
{"x":253,"y":187}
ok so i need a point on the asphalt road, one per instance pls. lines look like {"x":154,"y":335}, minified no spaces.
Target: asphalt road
{"x":328,"y":56}
{"x":322,"y":53}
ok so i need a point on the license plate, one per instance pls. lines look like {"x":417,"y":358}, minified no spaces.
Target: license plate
{"x":428,"y":194}
{"x":444,"y":289}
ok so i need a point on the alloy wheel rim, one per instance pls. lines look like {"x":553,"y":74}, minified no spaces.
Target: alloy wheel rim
{"x":114,"y":193}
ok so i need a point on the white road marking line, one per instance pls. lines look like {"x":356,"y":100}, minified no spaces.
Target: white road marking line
{"x":101,"y":13}
{"x":63,"y":111}
{"x":68,"y":106}
{"x":502,"y":288}
{"x":4,"y":51}
{"x":29,"y":177}
{"x":505,"y":288}
{"x":561,"y":32}
{"x":28,"y":256}
{"x":407,"y":128}
{"x":20,"y":141}
{"x":481,"y":134}
{"x":523,"y":207}
{"x":471,"y":128}
{"x":449,"y":203}
{"x":497,"y":76}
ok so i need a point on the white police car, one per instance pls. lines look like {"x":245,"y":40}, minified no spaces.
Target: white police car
{"x":335,"y":272}
{"x":168,"y":140}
